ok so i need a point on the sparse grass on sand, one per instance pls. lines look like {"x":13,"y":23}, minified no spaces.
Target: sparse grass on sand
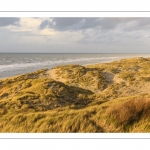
{"x":109,"y":97}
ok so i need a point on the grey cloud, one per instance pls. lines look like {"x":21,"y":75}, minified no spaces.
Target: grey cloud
{"x":144,"y":22}
{"x":137,"y":24}
{"x":63,"y":24}
{"x":6,"y":21}
{"x":78,"y":23}
{"x":111,"y":36}
{"x":45,"y":24}
{"x":111,"y":23}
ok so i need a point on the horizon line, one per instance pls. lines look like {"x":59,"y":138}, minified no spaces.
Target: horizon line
{"x":62,"y":53}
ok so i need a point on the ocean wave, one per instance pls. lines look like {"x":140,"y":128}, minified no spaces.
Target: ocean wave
{"x":25,"y":65}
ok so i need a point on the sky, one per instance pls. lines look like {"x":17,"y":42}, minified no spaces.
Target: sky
{"x":74,"y":35}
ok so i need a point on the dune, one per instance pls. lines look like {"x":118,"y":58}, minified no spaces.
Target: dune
{"x":108,"y":97}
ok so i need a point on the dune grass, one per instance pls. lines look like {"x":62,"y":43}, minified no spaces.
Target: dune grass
{"x":109,"y":97}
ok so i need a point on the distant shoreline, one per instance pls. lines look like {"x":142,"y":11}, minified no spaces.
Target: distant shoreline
{"x":91,"y":64}
{"x":3,"y":78}
{"x":21,"y":63}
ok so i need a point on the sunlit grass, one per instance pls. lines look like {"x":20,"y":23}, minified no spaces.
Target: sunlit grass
{"x":87,"y":101}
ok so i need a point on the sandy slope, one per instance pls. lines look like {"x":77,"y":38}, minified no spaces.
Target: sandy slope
{"x":109,"y":97}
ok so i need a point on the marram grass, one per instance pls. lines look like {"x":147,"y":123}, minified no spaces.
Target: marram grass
{"x":109,"y":97}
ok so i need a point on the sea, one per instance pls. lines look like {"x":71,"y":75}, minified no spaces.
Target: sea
{"x":12,"y":64}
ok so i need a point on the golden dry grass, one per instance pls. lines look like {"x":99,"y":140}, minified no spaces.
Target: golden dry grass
{"x":110,"y":97}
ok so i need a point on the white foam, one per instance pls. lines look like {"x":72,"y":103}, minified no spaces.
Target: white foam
{"x":20,"y":66}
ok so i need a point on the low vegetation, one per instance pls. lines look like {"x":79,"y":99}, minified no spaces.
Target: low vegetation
{"x":109,"y":97}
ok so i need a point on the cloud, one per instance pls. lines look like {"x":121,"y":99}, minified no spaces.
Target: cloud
{"x":45,"y":24}
{"x":75,"y":23}
{"x":6,"y":21}
{"x":103,"y":24}
{"x":138,"y":24}
{"x":70,"y":23}
{"x":91,"y":34}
